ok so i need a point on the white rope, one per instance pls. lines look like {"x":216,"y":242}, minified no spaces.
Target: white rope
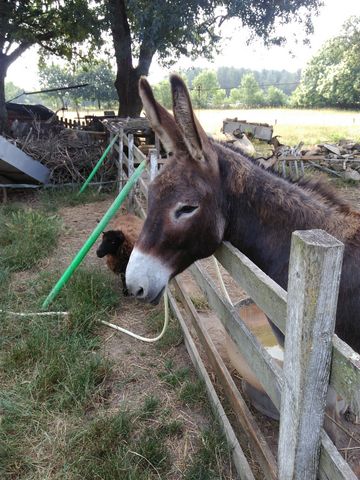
{"x":222,"y":284}
{"x":33,"y":314}
{"x":139,"y":337}
{"x":111,"y":325}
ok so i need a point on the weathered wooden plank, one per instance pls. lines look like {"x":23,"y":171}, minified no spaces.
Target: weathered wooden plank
{"x":332,"y":465}
{"x":131,"y":169}
{"x":139,"y":208}
{"x":262,"y":364}
{"x":266,"y":293}
{"x":314,"y":278}
{"x":345,"y":373}
{"x":143,"y":186}
{"x":243,"y":416}
{"x":120,"y":150}
{"x":272,"y":299}
{"x":138,"y":155}
{"x":240,"y":461}
{"x":153,"y":163}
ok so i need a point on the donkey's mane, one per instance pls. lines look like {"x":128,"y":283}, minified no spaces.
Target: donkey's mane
{"x":318,"y":185}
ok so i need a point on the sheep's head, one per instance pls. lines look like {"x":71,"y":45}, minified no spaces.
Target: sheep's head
{"x":111,"y":242}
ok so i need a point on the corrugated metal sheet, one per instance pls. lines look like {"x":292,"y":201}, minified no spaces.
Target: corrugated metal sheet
{"x":18,"y":167}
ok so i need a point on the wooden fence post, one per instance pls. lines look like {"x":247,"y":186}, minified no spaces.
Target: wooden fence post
{"x":153,"y":163}
{"x":131,"y":170}
{"x":120,"y":159}
{"x":314,"y":277}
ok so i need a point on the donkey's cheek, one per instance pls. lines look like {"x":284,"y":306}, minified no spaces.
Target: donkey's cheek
{"x":146,"y":276}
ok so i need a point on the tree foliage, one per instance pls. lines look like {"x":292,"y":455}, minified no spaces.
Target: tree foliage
{"x":12,"y":91}
{"x":98,"y":75}
{"x":141,"y":29}
{"x":206,"y":90}
{"x":249,"y":92}
{"x":332,"y":77}
{"x":55,"y":25}
{"x":275,"y":97}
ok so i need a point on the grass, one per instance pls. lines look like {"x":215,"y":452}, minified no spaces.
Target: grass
{"x":208,"y":461}
{"x":123,"y":445}
{"x":26,"y":236}
{"x":200,"y":303}
{"x":57,"y":418}
{"x":49,"y":366}
{"x":314,"y":134}
{"x":193,"y":393}
{"x":173,"y":335}
{"x":54,"y":198}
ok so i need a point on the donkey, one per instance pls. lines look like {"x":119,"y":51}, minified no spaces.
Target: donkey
{"x":207,"y":193}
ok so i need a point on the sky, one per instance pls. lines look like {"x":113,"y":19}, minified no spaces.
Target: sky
{"x":235,"y":52}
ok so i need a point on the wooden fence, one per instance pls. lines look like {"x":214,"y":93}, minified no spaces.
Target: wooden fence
{"x":313,"y":356}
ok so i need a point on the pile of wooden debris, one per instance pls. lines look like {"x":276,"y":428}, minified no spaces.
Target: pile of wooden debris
{"x":340,"y":159}
{"x":69,"y":154}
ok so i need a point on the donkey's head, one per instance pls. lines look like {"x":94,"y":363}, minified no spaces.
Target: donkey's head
{"x":185,"y":219}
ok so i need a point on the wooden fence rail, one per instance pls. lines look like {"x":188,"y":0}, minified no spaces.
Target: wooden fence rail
{"x":312,"y":353}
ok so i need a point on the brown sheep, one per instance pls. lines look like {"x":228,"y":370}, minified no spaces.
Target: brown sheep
{"x":117,"y":244}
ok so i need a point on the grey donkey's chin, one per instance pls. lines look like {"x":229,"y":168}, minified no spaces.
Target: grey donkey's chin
{"x":146,"y":276}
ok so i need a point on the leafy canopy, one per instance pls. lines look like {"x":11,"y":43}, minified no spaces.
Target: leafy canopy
{"x":191,"y":28}
{"x":332,"y":77}
{"x":53,"y":24}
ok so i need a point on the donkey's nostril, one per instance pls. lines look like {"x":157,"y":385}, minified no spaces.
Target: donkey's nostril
{"x":140,"y":292}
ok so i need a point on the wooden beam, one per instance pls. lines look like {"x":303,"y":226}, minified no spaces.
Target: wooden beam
{"x":243,"y":416}
{"x":266,"y":370}
{"x":272,"y":299}
{"x":314,"y":278}
{"x":332,"y":465}
{"x":240,"y":461}
{"x":345,"y":373}
{"x":266,"y":293}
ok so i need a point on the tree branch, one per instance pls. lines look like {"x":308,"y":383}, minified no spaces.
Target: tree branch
{"x":121,"y":33}
{"x":19,"y":50}
{"x":145,"y":57}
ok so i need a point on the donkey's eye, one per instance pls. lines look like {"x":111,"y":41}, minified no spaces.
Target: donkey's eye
{"x":185,"y":210}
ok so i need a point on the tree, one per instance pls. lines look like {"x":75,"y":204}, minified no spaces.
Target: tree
{"x":56,"y":76}
{"x":275,"y":97}
{"x":249,"y":93}
{"x":54,"y":25}
{"x":140,"y":29}
{"x":12,"y":90}
{"x":204,"y":89}
{"x":332,"y":77}
{"x":100,"y":77}
{"x":162,"y":92}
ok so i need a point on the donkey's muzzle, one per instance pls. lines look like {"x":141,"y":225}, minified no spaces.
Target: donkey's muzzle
{"x":146,"y":276}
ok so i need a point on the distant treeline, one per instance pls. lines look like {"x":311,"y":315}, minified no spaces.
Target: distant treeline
{"x":229,"y":87}
{"x":230,"y":77}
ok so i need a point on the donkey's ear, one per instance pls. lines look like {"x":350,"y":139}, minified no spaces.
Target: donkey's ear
{"x":160,"y":119}
{"x":193,"y":134}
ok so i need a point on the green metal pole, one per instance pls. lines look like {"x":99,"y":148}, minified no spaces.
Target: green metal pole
{"x":99,"y":163}
{"x":94,"y":235}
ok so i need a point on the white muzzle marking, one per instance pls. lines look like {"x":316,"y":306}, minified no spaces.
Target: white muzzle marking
{"x":146,"y":276}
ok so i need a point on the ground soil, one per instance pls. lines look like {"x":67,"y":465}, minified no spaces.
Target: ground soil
{"x":136,"y":364}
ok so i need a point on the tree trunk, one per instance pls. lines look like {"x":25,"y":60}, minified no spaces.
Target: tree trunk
{"x":5,"y":61}
{"x":126,"y":85}
{"x":127,"y":77}
{"x":3,"y":111}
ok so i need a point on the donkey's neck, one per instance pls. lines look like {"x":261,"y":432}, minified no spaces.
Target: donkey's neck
{"x":262,"y":211}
